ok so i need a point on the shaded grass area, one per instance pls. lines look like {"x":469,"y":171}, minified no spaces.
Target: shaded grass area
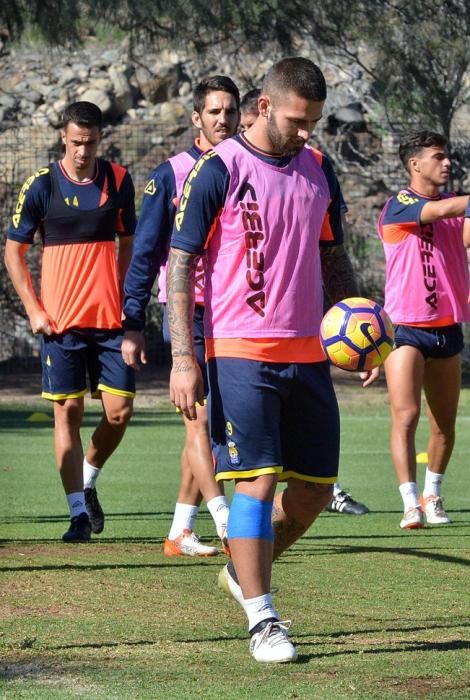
{"x":377,"y":612}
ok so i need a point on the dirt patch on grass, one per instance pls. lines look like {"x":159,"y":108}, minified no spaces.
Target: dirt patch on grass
{"x":12,"y":611}
{"x":32,"y":668}
{"x":421,"y":687}
{"x":36,"y":551}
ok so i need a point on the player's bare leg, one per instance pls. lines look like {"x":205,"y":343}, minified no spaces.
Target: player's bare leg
{"x":117,"y":412}
{"x":442,"y":380}
{"x":68,"y":416}
{"x":199,"y":455}
{"x":181,"y":539}
{"x":404,"y":371}
{"x":197,"y":481}
{"x":252,"y":557}
{"x":251,"y":545}
{"x":189,"y":491}
{"x":295,"y":509}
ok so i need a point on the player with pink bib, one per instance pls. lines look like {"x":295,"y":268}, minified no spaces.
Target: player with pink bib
{"x":265,"y":207}
{"x":215,"y":115}
{"x":426,"y":295}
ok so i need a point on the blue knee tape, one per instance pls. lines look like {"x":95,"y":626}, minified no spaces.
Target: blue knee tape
{"x":250,"y":518}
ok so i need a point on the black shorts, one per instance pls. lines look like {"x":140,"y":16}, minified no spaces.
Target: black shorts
{"x":432,"y":342}
{"x":68,"y":357}
{"x":273,"y":418}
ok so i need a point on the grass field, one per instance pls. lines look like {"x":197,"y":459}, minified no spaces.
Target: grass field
{"x":377,"y":612}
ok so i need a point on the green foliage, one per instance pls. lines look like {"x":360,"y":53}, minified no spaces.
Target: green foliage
{"x":422,"y":59}
{"x":55,"y":20}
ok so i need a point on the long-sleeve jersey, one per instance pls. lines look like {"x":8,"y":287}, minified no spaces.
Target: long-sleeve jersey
{"x":152,"y":237}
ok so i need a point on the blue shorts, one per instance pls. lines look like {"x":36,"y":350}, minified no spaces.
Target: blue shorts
{"x":273,"y":418}
{"x":199,"y":342}
{"x":435,"y":343}
{"x":68,"y":357}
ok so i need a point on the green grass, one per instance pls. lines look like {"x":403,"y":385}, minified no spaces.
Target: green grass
{"x":377,"y":612}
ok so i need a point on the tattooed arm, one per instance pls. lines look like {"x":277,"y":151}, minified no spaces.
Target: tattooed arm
{"x":340,"y":282}
{"x":338,"y":274}
{"x":186,"y":387}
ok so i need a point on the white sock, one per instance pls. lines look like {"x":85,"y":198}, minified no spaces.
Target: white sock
{"x":183,"y":519}
{"x":432,"y":484}
{"x":76,"y":501}
{"x":90,"y":474}
{"x":409,"y":494}
{"x":218,"y":508}
{"x":259,"y":609}
{"x":336,"y":489}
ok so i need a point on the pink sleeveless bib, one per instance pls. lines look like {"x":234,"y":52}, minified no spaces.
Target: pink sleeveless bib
{"x":263,"y":261}
{"x":427,"y":274}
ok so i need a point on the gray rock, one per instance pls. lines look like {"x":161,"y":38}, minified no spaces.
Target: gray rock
{"x":67,"y":75}
{"x":21,"y":86}
{"x":350,"y":114}
{"x":7,"y":101}
{"x":461,"y":124}
{"x":155,"y":89}
{"x":26,"y":106}
{"x":119,"y":79}
{"x":59,"y":105}
{"x":39,"y":118}
{"x":173,"y":113}
{"x":99,"y":98}
{"x":110,"y":56}
{"x":184,"y":89}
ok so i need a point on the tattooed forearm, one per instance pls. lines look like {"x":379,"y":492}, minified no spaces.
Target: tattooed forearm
{"x":338,"y":274}
{"x":180,"y":304}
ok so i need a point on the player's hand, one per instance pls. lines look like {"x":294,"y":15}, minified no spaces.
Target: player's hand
{"x":370,"y":377}
{"x":133,"y":349}
{"x":41,"y":323}
{"x":186,"y":386}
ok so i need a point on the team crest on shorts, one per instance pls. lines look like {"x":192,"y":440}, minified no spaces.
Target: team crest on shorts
{"x":233,"y":454}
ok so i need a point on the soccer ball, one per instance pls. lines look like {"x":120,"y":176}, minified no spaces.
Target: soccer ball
{"x":357,"y":334}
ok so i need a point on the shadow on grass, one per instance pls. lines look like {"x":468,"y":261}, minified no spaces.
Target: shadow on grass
{"x":158,"y":541}
{"x":389,"y":511}
{"x":405,"y":647}
{"x":140,"y":515}
{"x":362,"y":549}
{"x":111,"y":567}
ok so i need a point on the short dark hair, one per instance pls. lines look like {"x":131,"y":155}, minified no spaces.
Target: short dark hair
{"x":215,"y":83}
{"x":249,"y":101}
{"x":84,"y":114}
{"x":415,"y":141}
{"x":298,"y":75}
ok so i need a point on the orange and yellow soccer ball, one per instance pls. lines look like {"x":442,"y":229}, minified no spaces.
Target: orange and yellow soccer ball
{"x":357,"y":334}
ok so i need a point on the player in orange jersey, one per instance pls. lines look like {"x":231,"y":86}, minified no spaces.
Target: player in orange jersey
{"x":78,"y":204}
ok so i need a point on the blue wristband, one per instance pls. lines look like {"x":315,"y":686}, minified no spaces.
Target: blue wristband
{"x":467,"y":210}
